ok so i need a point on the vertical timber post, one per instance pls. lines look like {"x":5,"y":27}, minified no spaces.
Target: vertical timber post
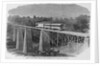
{"x":68,"y":40}
{"x":17,"y":40}
{"x":14,"y":33}
{"x":24,"y":42}
{"x":41,"y":41}
{"x":86,"y":41}
{"x":57,"y":39}
{"x":77,"y":43}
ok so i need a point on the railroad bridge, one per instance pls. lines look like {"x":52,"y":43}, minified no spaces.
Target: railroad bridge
{"x":27,"y":37}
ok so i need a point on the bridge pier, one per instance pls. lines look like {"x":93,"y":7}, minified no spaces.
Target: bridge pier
{"x":24,"y":42}
{"x":17,"y":40}
{"x":14,"y":33}
{"x":41,"y":41}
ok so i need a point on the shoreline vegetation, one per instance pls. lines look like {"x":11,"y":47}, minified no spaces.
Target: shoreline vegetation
{"x":78,"y":24}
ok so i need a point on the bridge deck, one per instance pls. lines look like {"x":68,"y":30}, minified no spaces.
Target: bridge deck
{"x":58,"y":31}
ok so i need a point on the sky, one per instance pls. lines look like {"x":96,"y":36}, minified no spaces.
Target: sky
{"x":11,"y":6}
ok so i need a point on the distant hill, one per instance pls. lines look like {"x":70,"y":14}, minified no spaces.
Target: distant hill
{"x":50,"y":10}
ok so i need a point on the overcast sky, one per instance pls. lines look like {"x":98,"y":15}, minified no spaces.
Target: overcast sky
{"x":11,"y":6}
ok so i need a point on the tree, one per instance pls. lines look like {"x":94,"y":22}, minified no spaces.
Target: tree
{"x":14,"y":19}
{"x":82,"y":24}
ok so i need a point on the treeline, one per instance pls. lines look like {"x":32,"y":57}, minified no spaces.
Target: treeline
{"x":78,"y":24}
{"x":29,"y":21}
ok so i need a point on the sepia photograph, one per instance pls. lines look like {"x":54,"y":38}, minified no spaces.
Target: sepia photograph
{"x":35,"y":31}
{"x":48,"y":30}
{"x":55,"y":32}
